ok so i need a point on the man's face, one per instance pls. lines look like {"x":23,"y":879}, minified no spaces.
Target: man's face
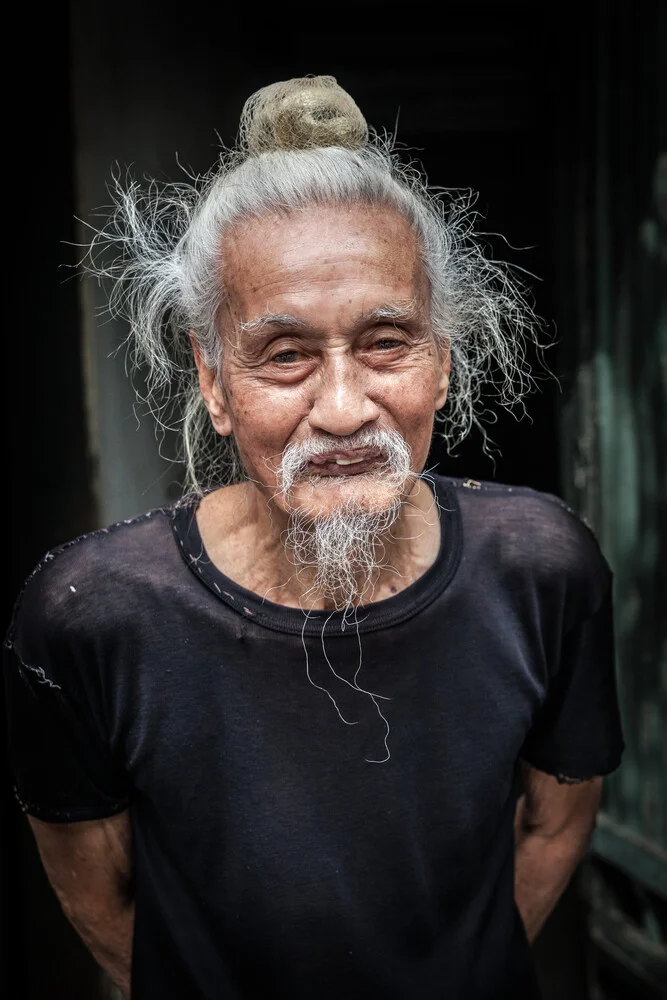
{"x":326,"y":336}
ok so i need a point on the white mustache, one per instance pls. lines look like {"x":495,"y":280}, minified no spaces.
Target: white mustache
{"x":296,"y":457}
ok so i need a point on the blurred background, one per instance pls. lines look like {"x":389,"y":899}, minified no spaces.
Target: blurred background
{"x":556,"y":115}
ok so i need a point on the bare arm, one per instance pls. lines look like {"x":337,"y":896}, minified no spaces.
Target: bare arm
{"x":89,"y":865}
{"x":553,"y":825}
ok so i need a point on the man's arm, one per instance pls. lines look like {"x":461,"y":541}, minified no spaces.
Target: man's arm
{"x":553,"y":825}
{"x":89,"y":865}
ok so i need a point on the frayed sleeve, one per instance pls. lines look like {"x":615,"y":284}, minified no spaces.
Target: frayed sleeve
{"x":62,"y":765}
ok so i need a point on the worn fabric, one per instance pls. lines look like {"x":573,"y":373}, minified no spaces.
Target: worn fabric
{"x":275,"y":854}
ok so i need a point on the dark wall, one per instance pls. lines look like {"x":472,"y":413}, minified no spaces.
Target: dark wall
{"x":47,"y":469}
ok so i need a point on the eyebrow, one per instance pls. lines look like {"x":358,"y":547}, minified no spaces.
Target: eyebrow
{"x":392,"y":312}
{"x":279,"y":320}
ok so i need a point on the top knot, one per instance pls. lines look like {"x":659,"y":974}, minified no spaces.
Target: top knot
{"x":304,"y":113}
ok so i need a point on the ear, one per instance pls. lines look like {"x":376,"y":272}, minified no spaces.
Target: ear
{"x":213,"y":393}
{"x":442,"y":387}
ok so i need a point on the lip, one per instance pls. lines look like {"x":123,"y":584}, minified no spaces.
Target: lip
{"x":329,"y":467}
{"x":352,"y":455}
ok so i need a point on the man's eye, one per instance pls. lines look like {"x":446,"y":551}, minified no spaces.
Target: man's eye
{"x":387,"y":343}
{"x":285,"y":357}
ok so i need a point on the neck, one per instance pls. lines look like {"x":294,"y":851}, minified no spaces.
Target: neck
{"x":245,"y":538}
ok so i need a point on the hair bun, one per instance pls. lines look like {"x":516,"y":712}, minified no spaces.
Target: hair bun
{"x":303,"y":113}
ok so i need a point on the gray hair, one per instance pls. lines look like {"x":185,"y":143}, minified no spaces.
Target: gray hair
{"x":167,"y":245}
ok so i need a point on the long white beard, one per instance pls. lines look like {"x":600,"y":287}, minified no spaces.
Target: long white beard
{"x":345,"y":547}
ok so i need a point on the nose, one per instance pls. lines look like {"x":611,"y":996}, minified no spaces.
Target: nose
{"x":341,"y":405}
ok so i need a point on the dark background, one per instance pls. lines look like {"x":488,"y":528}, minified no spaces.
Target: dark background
{"x":491,"y":96}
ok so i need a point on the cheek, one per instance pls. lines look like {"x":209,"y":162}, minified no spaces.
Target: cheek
{"x":409,"y":395}
{"x":264,"y":418}
{"x":416,"y":425}
{"x":410,"y":404}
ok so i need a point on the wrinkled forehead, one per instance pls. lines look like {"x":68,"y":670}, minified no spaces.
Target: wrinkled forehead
{"x":407,"y":311}
{"x":322,"y":257}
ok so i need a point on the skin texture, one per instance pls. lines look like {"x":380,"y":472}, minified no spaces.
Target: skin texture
{"x":331,"y":373}
{"x":553,"y":825}
{"x":89,"y":865}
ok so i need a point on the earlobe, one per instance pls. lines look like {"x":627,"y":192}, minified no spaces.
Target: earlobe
{"x":443,"y":387}
{"x":443,"y":380}
{"x":212,"y":393}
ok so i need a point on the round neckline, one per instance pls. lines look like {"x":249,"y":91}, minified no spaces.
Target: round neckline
{"x":365,"y":617}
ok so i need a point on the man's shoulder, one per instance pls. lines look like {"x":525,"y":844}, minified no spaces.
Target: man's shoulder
{"x":508,"y":502}
{"x":99,"y":567}
{"x":518,"y":528}
{"x":124,"y":543}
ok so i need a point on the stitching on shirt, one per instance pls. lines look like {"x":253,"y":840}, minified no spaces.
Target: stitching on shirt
{"x":52,"y":553}
{"x":267,"y":620}
{"x":486,"y":486}
{"x":39,"y":671}
{"x":566,"y":779}
{"x":67,"y":814}
{"x":573,"y":775}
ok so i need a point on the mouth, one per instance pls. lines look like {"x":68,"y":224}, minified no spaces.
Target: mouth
{"x":344,"y":463}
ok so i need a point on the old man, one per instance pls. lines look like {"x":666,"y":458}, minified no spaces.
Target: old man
{"x":329,"y":727}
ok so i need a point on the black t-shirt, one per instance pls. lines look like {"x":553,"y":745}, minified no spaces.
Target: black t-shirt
{"x":321,"y":807}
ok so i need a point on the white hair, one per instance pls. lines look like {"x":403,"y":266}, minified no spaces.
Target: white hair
{"x":167,"y":255}
{"x":345,"y":549}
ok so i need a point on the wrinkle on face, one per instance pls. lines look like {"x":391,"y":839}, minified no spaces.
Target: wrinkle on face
{"x":315,"y":259}
{"x":327,"y":285}
{"x":327,"y":334}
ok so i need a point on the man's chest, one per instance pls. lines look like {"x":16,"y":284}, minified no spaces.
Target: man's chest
{"x":420,"y":727}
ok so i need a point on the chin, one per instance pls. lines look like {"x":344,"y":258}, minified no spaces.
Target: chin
{"x":322,"y":496}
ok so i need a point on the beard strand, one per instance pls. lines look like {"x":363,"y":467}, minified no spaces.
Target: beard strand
{"x":345,"y":548}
